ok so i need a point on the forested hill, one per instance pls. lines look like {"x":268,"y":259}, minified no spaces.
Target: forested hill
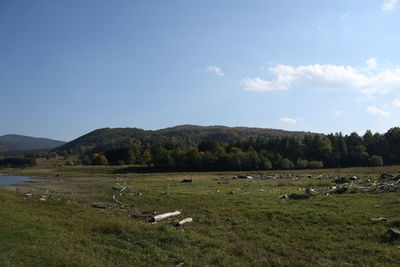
{"x":102,"y":139}
{"x":186,"y":135}
{"x":14,"y":142}
{"x":195,"y":148}
{"x":224,"y":133}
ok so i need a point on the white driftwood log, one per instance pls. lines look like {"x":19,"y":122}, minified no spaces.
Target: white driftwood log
{"x":184,"y":221}
{"x":165,"y":215}
{"x":380,"y":219}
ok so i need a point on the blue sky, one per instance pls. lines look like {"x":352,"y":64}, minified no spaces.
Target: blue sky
{"x":69,"y":67}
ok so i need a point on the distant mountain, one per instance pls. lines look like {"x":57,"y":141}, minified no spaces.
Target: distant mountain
{"x":189,"y":135}
{"x":14,"y":142}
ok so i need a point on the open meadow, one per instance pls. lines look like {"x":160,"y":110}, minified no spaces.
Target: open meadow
{"x":93,"y":216}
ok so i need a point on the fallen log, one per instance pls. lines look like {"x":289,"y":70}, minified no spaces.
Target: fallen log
{"x":393,"y":234}
{"x":187,"y":220}
{"x":98,"y":206}
{"x":379,"y":219}
{"x":117,"y":188}
{"x":164,"y":216}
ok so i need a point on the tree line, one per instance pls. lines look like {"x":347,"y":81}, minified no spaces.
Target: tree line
{"x":260,"y":153}
{"x":17,"y":162}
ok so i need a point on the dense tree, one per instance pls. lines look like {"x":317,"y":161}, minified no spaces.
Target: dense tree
{"x":373,"y":143}
{"x":266,"y":164}
{"x":147,"y":158}
{"x":357,"y":152}
{"x":163,"y":159}
{"x":194,"y":150}
{"x":285,"y":164}
{"x":318,"y":147}
{"x":194,"y":159}
{"x":15,"y":162}
{"x":124,"y":155}
{"x":391,"y":141}
{"x":339,"y":150}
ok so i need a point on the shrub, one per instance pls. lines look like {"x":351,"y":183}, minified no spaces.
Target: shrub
{"x":266,"y":164}
{"x":286,"y":164}
{"x":301,"y":163}
{"x":375,"y":160}
{"x":315,"y":165}
{"x":100,"y":160}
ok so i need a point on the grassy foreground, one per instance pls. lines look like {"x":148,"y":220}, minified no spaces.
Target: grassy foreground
{"x":243,"y":223}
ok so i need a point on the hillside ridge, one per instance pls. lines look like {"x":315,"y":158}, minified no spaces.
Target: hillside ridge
{"x":103,"y":138}
{"x":17,"y":142}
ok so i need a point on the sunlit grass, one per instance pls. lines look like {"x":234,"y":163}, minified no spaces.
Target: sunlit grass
{"x":241,"y":223}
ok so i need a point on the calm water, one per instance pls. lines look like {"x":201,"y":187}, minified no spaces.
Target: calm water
{"x":14,"y":180}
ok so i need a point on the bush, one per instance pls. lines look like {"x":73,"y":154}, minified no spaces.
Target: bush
{"x":315,"y":165}
{"x":100,"y":160}
{"x":286,"y":164}
{"x":301,"y":164}
{"x":85,"y":160}
{"x":266,"y":164}
{"x":375,"y":160}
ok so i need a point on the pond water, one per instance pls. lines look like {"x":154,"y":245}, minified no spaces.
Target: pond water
{"x":6,"y":180}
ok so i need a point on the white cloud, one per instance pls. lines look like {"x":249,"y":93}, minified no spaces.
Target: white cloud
{"x":396,"y":102}
{"x":257,"y":84}
{"x":215,"y":69}
{"x":340,"y":112}
{"x":345,"y":15}
{"x":389,"y":5}
{"x":366,"y":98}
{"x":288,"y":121}
{"x":372,"y":64}
{"x":377,"y":111}
{"x":328,"y":77}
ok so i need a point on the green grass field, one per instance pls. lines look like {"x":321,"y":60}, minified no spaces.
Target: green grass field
{"x":242,"y":223}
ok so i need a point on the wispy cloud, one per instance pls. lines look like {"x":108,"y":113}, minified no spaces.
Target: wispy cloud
{"x":388,"y":5}
{"x":345,"y":15}
{"x":328,"y":77}
{"x":215,"y":69}
{"x":396,"y":102}
{"x":366,"y":98}
{"x":288,"y":121}
{"x":377,"y":111}
{"x":340,"y":112}
{"x":258,"y":84}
